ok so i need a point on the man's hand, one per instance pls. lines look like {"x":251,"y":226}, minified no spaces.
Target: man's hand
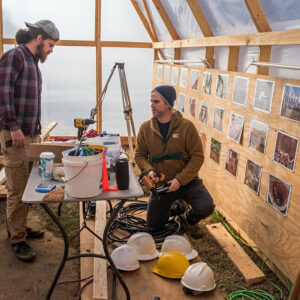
{"x":174,"y":185}
{"x":152,"y":176}
{"x":18,"y":138}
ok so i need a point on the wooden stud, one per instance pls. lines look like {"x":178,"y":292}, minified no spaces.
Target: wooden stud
{"x":233,"y":58}
{"x":98,"y":62}
{"x":1,"y":29}
{"x":125,"y":44}
{"x":262,"y":25}
{"x":264,"y":56}
{"x":285,"y":37}
{"x":100,"y":265}
{"x":243,"y":262}
{"x":146,"y":8}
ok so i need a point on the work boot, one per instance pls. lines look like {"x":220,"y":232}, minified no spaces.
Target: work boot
{"x":193,"y":230}
{"x":34,"y":234}
{"x":31,"y":234}
{"x":23,"y":251}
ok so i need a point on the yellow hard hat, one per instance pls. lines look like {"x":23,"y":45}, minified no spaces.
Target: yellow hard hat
{"x":171,"y":265}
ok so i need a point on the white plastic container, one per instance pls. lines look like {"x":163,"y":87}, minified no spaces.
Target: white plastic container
{"x":112,"y":146}
{"x":47,"y":165}
{"x":83,"y":175}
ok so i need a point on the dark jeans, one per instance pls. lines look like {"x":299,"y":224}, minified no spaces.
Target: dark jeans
{"x":194,"y":193}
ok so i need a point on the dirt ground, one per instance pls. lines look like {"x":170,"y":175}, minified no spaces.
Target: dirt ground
{"x":20,"y":280}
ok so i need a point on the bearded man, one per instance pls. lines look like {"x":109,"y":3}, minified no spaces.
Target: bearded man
{"x":20,"y":122}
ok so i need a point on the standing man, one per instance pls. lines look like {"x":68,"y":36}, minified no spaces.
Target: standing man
{"x":20,"y":122}
{"x":170,"y":144}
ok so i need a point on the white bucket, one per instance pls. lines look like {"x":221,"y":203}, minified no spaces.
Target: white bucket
{"x":83,"y":175}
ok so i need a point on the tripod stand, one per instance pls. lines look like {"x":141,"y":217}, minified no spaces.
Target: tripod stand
{"x":127,"y":110}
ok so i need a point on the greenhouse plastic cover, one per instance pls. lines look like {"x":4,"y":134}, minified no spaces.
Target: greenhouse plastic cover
{"x":230,"y":17}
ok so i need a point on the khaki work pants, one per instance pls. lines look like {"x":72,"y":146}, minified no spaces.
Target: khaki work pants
{"x":16,"y":163}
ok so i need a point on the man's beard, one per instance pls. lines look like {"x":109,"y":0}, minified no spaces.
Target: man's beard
{"x":41,"y":54}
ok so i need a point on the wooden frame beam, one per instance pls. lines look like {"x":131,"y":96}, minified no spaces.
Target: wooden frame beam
{"x":205,"y":28}
{"x":98,"y":61}
{"x":233,"y":58}
{"x":1,"y":30}
{"x":94,"y":43}
{"x":286,"y":37}
{"x":146,"y":8}
{"x":167,"y":21}
{"x":262,"y":25}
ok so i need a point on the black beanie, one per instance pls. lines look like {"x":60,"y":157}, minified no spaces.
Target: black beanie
{"x":167,"y":92}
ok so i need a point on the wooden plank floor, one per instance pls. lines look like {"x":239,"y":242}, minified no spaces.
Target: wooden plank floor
{"x":142,"y":283}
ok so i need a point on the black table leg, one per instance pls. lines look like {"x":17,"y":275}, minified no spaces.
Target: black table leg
{"x":66,"y":247}
{"x":105,"y":234}
{"x":104,"y":241}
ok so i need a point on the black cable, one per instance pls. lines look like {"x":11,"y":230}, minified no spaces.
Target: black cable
{"x":129,"y":221}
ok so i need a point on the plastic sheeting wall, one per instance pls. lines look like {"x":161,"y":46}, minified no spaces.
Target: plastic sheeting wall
{"x":232,"y":18}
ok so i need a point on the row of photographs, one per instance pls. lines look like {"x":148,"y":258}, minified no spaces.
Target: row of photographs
{"x":278,"y":191}
{"x":290,"y":102}
{"x":286,"y":147}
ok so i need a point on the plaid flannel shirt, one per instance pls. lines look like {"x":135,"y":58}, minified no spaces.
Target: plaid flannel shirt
{"x":20,"y":91}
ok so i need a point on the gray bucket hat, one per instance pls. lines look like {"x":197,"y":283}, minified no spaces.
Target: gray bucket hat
{"x":47,"y":26}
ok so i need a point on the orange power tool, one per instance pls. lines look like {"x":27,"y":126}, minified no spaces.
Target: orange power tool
{"x":145,"y":180}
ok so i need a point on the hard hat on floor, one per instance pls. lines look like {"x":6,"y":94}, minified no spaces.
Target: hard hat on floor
{"x":179,"y":244}
{"x":198,"y":277}
{"x":171,"y":265}
{"x":125,"y":258}
{"x":144,"y":245}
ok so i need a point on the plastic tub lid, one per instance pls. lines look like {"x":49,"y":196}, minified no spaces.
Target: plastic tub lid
{"x":47,"y":154}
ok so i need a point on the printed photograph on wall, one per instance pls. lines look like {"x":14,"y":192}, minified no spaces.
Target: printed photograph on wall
{"x":232,"y":159}
{"x":240,"y":90}
{"x":279,"y":194}
{"x":235,"y":129}
{"x":258,"y":136}
{"x":222,"y":85}
{"x":174,"y":75}
{"x":206,"y":83}
{"x":218,"y":119}
{"x":285,"y":152}
{"x":181,"y":104}
{"x":160,"y":69}
{"x":194,"y":81}
{"x":203,"y":139}
{"x":290,"y":102}
{"x":192,"y":107}
{"x":183,"y":77}
{"x":167,"y":74}
{"x":215,"y":150}
{"x":253,"y":175}
{"x":204,"y":113}
{"x":263,"y":95}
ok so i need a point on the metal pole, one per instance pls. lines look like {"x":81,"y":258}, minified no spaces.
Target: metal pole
{"x":274,"y":65}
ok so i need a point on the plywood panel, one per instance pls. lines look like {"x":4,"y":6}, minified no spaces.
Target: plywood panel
{"x":276,"y":235}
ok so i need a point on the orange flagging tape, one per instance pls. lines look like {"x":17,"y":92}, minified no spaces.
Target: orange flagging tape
{"x":105,"y":183}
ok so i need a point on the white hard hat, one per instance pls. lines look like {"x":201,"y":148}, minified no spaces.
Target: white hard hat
{"x":199,"y":277}
{"x":144,"y":245}
{"x":179,"y":244}
{"x":125,"y":258}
